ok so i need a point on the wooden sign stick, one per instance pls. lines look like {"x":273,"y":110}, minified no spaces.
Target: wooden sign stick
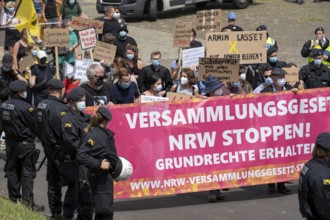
{"x":57,"y":66}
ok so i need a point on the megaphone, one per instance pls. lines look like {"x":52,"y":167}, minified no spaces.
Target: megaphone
{"x":123,"y":170}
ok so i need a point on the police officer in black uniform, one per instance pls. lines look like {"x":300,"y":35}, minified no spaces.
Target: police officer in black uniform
{"x":49,"y":114}
{"x":315,"y":74}
{"x":314,"y":182}
{"x":18,"y":120}
{"x":98,"y":153}
{"x":73,"y":127}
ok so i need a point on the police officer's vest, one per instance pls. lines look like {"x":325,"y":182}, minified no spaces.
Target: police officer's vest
{"x":270,"y":42}
{"x":324,"y":52}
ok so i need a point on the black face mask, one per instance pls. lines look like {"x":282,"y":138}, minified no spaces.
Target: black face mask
{"x":99,"y":81}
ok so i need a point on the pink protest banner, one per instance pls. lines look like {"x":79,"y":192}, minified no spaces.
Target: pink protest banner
{"x":221,"y":142}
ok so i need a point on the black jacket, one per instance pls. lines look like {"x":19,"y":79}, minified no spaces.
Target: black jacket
{"x":314,"y":77}
{"x":314,"y":190}
{"x":18,"y":119}
{"x":121,"y":45}
{"x":163,"y":73}
{"x":96,"y":145}
{"x":305,"y":51}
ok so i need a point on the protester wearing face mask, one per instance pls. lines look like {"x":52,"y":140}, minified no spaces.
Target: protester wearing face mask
{"x":274,"y":81}
{"x":73,"y":125}
{"x":154,"y":85}
{"x":39,"y":76}
{"x":110,"y":23}
{"x":133,"y":60}
{"x":98,"y":92}
{"x":8,"y":74}
{"x":117,"y":16}
{"x":122,"y":40}
{"x":19,"y":123}
{"x":272,"y":61}
{"x":124,"y":91}
{"x":187,"y":83}
{"x":244,"y":84}
{"x":49,"y":113}
{"x":155,"y":68}
{"x":319,"y":42}
{"x":70,"y":8}
{"x":315,"y":74}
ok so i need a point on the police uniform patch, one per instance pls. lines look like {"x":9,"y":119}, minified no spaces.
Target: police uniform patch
{"x":68,"y":125}
{"x":304,"y":170}
{"x":63,"y":113}
{"x":91,"y":141}
{"x":31,"y":109}
{"x":326,"y":182}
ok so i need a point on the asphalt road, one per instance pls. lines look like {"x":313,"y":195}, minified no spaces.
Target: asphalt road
{"x":291,"y":25}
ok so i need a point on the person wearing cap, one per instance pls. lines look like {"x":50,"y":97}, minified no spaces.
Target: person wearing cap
{"x":39,"y":76}
{"x":73,"y":125}
{"x":270,"y":42}
{"x":314,"y":182}
{"x":98,"y":92}
{"x":155,"y":68}
{"x":98,"y":153}
{"x":49,"y":113}
{"x":232,"y":23}
{"x":272,"y":62}
{"x":110,"y":23}
{"x":274,"y":81}
{"x":122,"y":40}
{"x":315,"y":74}
{"x":7,"y":73}
{"x":18,"y":122}
{"x":319,"y":42}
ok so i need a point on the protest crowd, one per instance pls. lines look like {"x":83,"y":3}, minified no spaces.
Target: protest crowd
{"x":52,"y":71}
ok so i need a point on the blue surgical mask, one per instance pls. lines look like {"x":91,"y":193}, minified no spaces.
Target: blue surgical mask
{"x":34,"y":52}
{"x":269,"y":81}
{"x":273,"y":59}
{"x":81,"y":105}
{"x":11,"y":9}
{"x":122,"y":33}
{"x":6,"y":69}
{"x":124,"y":85}
{"x":236,"y":84}
{"x":130,"y":56}
{"x":155,"y":62}
{"x":317,"y":61}
{"x":158,"y":88}
{"x":281,"y":82}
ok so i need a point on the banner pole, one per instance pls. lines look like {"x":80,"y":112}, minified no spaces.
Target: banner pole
{"x":57,"y":66}
{"x":91,"y":53}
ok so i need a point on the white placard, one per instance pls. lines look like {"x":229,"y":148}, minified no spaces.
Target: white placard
{"x":87,"y":38}
{"x":190,"y":57}
{"x":68,"y":69}
{"x":145,"y":98}
{"x":80,"y":68}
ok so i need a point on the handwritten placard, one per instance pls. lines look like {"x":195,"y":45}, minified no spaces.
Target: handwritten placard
{"x":182,"y":34}
{"x":104,"y":51}
{"x":190,"y":57}
{"x":292,"y":74}
{"x":87,"y":38}
{"x":78,"y":23}
{"x":227,"y":70}
{"x":80,"y":68}
{"x":25,"y":62}
{"x":247,"y":46}
{"x":145,"y":98}
{"x":208,"y":20}
{"x":56,"y":37}
{"x":173,"y":96}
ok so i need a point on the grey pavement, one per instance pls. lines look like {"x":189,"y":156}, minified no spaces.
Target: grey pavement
{"x":291,"y":25}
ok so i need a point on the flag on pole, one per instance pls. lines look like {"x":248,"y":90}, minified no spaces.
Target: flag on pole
{"x":27,"y":16}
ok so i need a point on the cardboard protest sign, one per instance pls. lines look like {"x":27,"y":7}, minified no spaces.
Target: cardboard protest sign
{"x":56,"y":37}
{"x":104,"y":51}
{"x":78,"y":23}
{"x":145,"y":99}
{"x":292,"y":74}
{"x":190,"y":57}
{"x":173,"y":96}
{"x":247,"y":46}
{"x":208,"y":20}
{"x":2,"y":43}
{"x":25,"y":62}
{"x":87,"y":38}
{"x":81,"y":67}
{"x":226,"y":70}
{"x":182,"y":34}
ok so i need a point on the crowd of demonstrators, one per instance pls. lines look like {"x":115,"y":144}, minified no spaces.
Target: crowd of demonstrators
{"x":60,"y":102}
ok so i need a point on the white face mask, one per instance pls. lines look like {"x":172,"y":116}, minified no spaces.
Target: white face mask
{"x":184,"y":80}
{"x":242,"y":76}
{"x":158,"y":88}
{"x":281,"y":82}
{"x":24,"y":95}
{"x":81,"y":105}
{"x":116,"y":15}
